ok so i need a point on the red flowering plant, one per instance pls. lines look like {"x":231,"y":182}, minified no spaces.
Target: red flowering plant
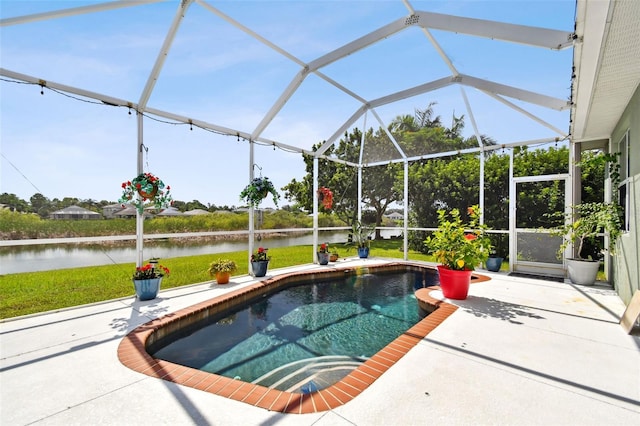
{"x":146,"y":190}
{"x":149,"y":271}
{"x":324,"y":248}
{"x":457,"y":245}
{"x":260,"y":255}
{"x":325,"y":196}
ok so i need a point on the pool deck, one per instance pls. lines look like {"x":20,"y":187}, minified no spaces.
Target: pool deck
{"x":517,"y":351}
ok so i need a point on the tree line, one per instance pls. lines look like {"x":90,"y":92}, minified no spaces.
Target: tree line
{"x":43,"y":206}
{"x":439,"y":183}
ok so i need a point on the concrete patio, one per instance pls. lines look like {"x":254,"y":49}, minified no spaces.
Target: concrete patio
{"x":517,"y":351}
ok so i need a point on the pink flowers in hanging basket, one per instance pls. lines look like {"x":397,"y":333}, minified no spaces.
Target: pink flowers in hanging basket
{"x":325,"y":196}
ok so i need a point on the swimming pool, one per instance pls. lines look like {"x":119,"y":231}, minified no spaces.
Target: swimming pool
{"x":302,"y":338}
{"x":132,"y":350}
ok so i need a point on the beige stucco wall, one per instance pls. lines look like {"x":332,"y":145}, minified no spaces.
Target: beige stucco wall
{"x":625,"y":262}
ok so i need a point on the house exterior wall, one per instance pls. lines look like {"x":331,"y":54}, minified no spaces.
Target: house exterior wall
{"x":626,"y":268}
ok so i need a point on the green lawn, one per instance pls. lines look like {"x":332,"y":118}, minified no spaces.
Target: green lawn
{"x":33,"y":292}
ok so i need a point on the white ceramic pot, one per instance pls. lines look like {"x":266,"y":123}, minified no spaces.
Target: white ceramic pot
{"x":582,"y":272}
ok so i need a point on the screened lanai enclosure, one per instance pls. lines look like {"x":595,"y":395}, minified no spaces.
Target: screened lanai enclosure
{"x":210,"y":94}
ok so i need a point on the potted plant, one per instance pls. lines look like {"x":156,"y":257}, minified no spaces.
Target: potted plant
{"x":146,"y":190}
{"x":592,"y":220}
{"x":459,"y":248}
{"x":147,"y":279}
{"x":323,"y":254}
{"x":494,"y":262}
{"x":222,"y":269}
{"x":257,"y":190}
{"x":260,"y":262}
{"x":361,"y":235}
{"x":587,"y":221}
{"x":333,"y":257}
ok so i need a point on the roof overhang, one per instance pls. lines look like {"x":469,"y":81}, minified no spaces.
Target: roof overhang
{"x":607,"y":67}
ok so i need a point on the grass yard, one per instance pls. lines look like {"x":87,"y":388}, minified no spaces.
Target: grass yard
{"x":34,"y":292}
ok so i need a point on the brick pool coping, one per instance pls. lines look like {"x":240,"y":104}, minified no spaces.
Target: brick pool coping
{"x":133,"y":354}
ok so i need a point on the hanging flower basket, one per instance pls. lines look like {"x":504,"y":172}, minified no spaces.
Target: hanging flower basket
{"x":146,"y":190}
{"x":257,"y":190}
{"x":325,"y":196}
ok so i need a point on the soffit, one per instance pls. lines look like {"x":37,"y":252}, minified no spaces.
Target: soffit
{"x":611,"y":42}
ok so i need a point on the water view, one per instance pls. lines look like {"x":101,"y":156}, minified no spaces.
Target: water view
{"x":48,"y":257}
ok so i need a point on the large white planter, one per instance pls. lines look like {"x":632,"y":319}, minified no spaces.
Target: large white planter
{"x":582,"y":272}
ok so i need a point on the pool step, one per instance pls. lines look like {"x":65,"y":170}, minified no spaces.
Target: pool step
{"x":311,"y":374}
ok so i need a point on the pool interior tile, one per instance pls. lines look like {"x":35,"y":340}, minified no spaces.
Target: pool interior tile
{"x":132,"y":349}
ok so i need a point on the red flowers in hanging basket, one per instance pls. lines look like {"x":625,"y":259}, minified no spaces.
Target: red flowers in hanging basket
{"x":325,"y":196}
{"x":151,"y":189}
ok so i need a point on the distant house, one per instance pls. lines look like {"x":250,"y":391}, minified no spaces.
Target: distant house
{"x":75,"y":212}
{"x":130,"y":212}
{"x":170,"y":211}
{"x":195,"y":212}
{"x":110,"y":210}
{"x":395,"y":216}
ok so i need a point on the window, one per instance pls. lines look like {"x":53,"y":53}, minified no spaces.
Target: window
{"x":623,"y":186}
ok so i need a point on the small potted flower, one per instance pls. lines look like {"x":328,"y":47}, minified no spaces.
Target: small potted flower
{"x":146,"y":190}
{"x":325,"y":196}
{"x":147,"y":279}
{"x":459,"y":248}
{"x":333,"y":257}
{"x":222,"y":269}
{"x":260,"y":262}
{"x":257,"y":190}
{"x":323,"y":254}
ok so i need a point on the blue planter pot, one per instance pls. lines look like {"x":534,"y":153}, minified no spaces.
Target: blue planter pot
{"x":323,"y":258}
{"x":363,"y":252}
{"x":147,"y":289}
{"x":494,"y":264}
{"x":259,"y":268}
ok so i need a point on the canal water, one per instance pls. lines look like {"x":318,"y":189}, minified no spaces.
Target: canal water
{"x":49,"y":257}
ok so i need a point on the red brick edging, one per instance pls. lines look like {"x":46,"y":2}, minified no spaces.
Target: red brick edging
{"x":132,"y":351}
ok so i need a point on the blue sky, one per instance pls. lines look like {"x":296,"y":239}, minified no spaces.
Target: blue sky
{"x":62,"y":147}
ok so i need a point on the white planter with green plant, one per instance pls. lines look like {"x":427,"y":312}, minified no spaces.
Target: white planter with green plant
{"x":587,"y":222}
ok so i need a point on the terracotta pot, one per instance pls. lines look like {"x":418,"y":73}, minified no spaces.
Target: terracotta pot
{"x":333,"y":258}
{"x":454,"y":284}
{"x":222,"y":277}
{"x":149,"y":195}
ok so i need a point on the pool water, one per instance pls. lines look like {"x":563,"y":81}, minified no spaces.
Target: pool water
{"x":302,"y":338}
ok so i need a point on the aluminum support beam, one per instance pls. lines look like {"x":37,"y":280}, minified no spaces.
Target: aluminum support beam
{"x":164,"y":52}
{"x":514,"y":92}
{"x":63,"y":13}
{"x":466,"y":151}
{"x":354,"y":117}
{"x":526,"y":113}
{"x":521,"y":34}
{"x":282,"y":100}
{"x":389,"y":135}
{"x":359,"y":44}
{"x":314,"y":247}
